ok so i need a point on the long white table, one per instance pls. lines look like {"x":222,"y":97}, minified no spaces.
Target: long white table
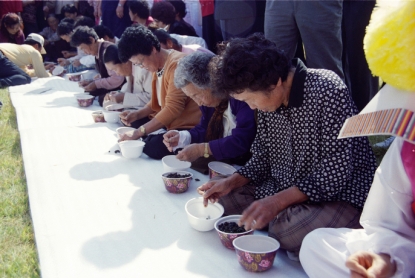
{"x":97,"y":214}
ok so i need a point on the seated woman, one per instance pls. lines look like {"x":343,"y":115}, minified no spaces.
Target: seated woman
{"x":169,"y":107}
{"x":164,"y":16}
{"x":11,"y":29}
{"x":227,"y":127}
{"x":54,"y":45}
{"x":136,"y":92}
{"x":300,"y":176}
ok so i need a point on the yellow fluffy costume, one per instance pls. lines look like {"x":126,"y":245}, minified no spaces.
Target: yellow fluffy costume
{"x":385,"y":246}
{"x":390,"y":43}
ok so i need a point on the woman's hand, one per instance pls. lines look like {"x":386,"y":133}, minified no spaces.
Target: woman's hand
{"x":127,"y":117}
{"x":191,"y":152}
{"x":368,"y":264}
{"x":84,"y":83}
{"x":260,"y":213}
{"x":171,"y":139}
{"x":90,"y":87}
{"x":135,"y":136}
{"x":213,"y":189}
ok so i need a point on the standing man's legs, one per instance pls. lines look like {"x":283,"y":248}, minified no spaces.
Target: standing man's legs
{"x":280,"y":26}
{"x":320,"y":23}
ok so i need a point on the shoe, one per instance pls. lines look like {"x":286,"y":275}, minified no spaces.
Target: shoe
{"x":385,"y":144}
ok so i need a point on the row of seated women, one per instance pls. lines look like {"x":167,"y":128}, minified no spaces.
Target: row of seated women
{"x":296,"y":175}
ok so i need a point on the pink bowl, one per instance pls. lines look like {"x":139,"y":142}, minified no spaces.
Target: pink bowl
{"x":227,"y":238}
{"x":85,"y":100}
{"x":177,"y":185}
{"x":256,"y":253}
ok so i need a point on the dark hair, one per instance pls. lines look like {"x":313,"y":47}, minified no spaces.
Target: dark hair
{"x":64,"y":28}
{"x":253,"y":63}
{"x":84,"y":21}
{"x":54,"y":16}
{"x":180,"y":7}
{"x":103,"y":31}
{"x":69,"y":8}
{"x":162,"y":35}
{"x":164,"y":12}
{"x":139,"y":7}
{"x":111,"y":55}
{"x":82,"y":34}
{"x":193,"y":68}
{"x":136,"y":40}
{"x":9,"y":20}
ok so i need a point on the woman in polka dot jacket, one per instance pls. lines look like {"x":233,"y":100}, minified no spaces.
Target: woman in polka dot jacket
{"x":300,"y":177}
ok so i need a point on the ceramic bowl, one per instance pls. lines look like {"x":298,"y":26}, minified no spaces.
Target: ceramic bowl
{"x":84,"y":100}
{"x":217,"y":168}
{"x":122,"y":130}
{"x":131,"y":149}
{"x":112,"y":117}
{"x":98,"y":117}
{"x":227,"y":238}
{"x":177,"y":184}
{"x":202,"y":218}
{"x":172,"y":164}
{"x":256,"y":253}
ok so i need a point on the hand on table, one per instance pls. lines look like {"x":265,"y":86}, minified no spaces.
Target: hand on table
{"x":135,"y":136}
{"x":90,"y":87}
{"x":213,"y":189}
{"x":191,"y":152}
{"x":171,"y":139}
{"x":368,"y":264}
{"x":260,"y":213}
{"x":128,"y":116}
{"x":114,"y":96}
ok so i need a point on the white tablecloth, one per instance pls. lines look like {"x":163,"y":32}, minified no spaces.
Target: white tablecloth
{"x":96,"y":214}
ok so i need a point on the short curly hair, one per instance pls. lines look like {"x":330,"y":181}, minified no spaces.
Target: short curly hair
{"x":136,"y":40}
{"x":164,"y":12}
{"x":253,"y":63}
{"x":193,"y":68}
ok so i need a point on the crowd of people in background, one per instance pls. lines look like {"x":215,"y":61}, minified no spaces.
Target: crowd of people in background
{"x":195,"y":72}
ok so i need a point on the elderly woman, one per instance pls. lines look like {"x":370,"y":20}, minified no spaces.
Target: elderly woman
{"x":169,"y":107}
{"x":300,"y":176}
{"x":227,"y":127}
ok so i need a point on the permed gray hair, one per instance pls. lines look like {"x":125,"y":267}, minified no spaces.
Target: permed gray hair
{"x":193,"y":68}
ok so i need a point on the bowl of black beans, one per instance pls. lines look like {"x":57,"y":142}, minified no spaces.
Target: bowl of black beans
{"x":228,"y":229}
{"x":177,"y":182}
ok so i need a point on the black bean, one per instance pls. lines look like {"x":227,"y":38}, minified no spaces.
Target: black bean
{"x":231,"y":228}
{"x":177,"y":175}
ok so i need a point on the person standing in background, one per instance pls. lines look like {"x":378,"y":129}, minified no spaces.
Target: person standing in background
{"x":115,"y":16}
{"x":318,"y":23}
{"x":11,"y":29}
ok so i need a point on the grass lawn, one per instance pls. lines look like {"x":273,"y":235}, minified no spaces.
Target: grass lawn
{"x":18,"y":256}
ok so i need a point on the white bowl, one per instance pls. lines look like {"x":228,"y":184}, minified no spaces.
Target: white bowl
{"x":122,"y":130}
{"x":115,"y":107}
{"x":58,"y":70}
{"x":84,"y":100}
{"x":172,"y":164}
{"x":111,"y":116}
{"x":131,"y":149}
{"x":203,"y":218}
